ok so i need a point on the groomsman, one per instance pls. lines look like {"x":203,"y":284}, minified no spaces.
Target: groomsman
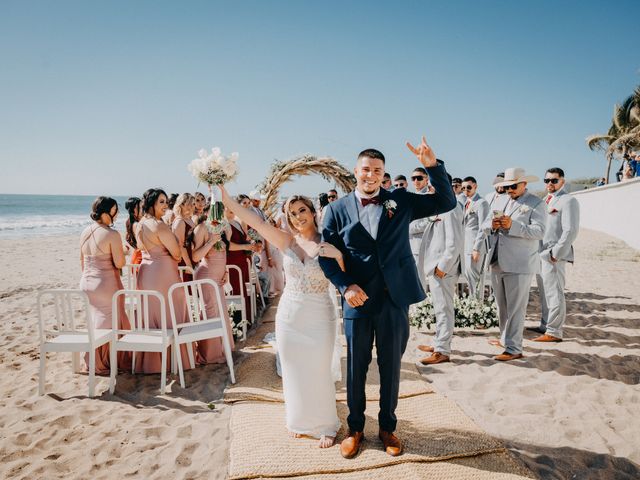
{"x":556,"y":249}
{"x":497,"y":191}
{"x":439,"y":266}
{"x":456,"y":184}
{"x":517,"y":225}
{"x":420,"y":180}
{"x":476,"y":211}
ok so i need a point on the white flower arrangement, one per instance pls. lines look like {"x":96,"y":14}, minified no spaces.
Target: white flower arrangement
{"x":390,"y":207}
{"x":469,"y":311}
{"x":214,"y":168}
{"x":237,"y":324}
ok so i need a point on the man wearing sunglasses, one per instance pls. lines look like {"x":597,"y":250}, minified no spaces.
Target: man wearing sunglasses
{"x":332,"y":195}
{"x":563,"y":223}
{"x":386,"y":182}
{"x":420,"y":180}
{"x":476,"y":211}
{"x":400,"y":182}
{"x":497,"y":191}
{"x":516,"y":225}
{"x":456,"y":184}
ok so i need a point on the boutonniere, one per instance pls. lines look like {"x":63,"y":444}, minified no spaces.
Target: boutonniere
{"x":390,"y":207}
{"x":525,"y":208}
{"x":552,"y":210}
{"x":434,"y":219}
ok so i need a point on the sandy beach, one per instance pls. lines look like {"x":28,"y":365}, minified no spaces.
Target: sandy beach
{"x":568,"y":410}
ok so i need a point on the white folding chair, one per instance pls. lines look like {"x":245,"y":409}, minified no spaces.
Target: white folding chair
{"x":237,"y":297}
{"x":184,"y":269}
{"x":199,"y":326}
{"x":130,"y":273}
{"x":68,"y":336}
{"x":255,"y":281}
{"x":141,"y":337}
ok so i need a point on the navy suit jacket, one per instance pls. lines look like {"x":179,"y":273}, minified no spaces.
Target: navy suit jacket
{"x":386,"y":263}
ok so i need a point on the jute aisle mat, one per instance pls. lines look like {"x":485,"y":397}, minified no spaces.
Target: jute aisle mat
{"x":441,"y":442}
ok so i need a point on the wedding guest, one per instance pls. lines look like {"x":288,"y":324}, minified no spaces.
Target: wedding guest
{"x":239,"y":249}
{"x":420,"y":180}
{"x":276,"y":272}
{"x":199,"y":207}
{"x":476,"y":211}
{"x":323,"y":201}
{"x":386,"y":182}
{"x":159,"y":271}
{"x":169,"y":215}
{"x":134,"y":209}
{"x":210,"y":255}
{"x":456,"y":184}
{"x":101,"y":257}
{"x":601,"y":182}
{"x":563,"y":223}
{"x":439,"y":267}
{"x":514,"y":243}
{"x":400,"y":181}
{"x":498,"y":190}
{"x":181,"y":227}
{"x":332,"y":195}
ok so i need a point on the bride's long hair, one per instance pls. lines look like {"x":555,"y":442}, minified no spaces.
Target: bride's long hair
{"x":308,"y":203}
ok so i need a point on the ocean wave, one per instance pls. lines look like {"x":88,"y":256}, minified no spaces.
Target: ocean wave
{"x":15,"y":226}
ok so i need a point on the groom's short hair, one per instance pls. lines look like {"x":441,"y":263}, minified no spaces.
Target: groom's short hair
{"x":371,"y":153}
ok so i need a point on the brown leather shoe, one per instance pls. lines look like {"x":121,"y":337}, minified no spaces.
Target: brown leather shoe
{"x":392,"y":444}
{"x":350,"y":446}
{"x":425,"y":348}
{"x":506,"y":356}
{"x":436,"y":357}
{"x":547,"y":338}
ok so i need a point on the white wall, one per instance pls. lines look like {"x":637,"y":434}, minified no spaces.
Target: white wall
{"x":613,"y":209}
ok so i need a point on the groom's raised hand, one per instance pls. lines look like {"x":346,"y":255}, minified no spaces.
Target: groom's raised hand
{"x":355,"y":296}
{"x":424,"y":153}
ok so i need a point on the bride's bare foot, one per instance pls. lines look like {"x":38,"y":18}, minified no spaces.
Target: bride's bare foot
{"x":294,"y":435}
{"x":326,"y":442}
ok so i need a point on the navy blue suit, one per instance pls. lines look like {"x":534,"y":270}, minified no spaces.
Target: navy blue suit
{"x":385,"y":269}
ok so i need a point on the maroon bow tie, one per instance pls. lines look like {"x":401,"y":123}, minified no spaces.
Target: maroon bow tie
{"x":367,"y":201}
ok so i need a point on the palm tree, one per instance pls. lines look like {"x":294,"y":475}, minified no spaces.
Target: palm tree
{"x":624,"y":133}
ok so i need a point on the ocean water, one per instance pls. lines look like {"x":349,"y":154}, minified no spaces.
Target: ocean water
{"x":32,"y":215}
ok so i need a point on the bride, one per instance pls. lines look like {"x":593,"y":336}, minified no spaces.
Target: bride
{"x":305,"y":320}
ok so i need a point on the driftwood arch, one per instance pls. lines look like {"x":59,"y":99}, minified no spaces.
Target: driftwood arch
{"x":327,"y":167}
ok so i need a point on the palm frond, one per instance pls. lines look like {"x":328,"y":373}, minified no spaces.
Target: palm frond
{"x":599,"y":142}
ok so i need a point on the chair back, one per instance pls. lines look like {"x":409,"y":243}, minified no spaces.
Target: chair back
{"x":130,"y":273}
{"x":184,"y":269}
{"x":137,"y":302}
{"x":236,"y":271}
{"x":70,"y":311}
{"x":196,"y":305}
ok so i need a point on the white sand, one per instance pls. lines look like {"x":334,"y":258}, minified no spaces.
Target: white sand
{"x":568,"y":409}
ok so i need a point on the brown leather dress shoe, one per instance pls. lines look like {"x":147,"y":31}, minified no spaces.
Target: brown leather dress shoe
{"x":506,"y":356}
{"x":547,"y":338}
{"x":350,"y":446}
{"x":436,"y":357}
{"x":425,"y":348}
{"x":392,"y":444}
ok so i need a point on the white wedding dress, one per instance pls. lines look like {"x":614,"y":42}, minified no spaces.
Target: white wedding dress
{"x":306,"y":338}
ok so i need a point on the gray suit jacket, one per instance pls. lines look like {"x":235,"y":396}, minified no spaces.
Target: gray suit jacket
{"x":442,"y":244}
{"x":474,"y":216}
{"x":518,"y":248}
{"x":563,"y":223}
{"x":416,"y":229}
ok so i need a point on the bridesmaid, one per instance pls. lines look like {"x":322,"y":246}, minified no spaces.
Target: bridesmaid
{"x":169,"y":216}
{"x":158,"y":271}
{"x":210,"y":251}
{"x":200,"y":206}
{"x":134,"y":208}
{"x":182,"y":227}
{"x":239,"y":250}
{"x":101,"y":257}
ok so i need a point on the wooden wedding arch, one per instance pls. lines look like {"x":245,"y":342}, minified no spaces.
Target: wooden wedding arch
{"x":281,"y":172}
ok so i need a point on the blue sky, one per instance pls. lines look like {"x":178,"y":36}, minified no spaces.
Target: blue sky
{"x":115,"y":97}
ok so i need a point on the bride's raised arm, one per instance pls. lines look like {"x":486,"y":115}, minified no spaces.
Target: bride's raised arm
{"x":281,"y":239}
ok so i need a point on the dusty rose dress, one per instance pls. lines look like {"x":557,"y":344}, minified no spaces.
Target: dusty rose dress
{"x":213,"y":267}
{"x":100,"y":280}
{"x":159,"y":271}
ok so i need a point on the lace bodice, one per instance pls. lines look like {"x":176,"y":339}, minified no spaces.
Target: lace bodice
{"x":303,"y":277}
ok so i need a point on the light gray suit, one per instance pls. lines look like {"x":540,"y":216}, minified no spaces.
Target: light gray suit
{"x":563,"y":223}
{"x":514,"y":261}
{"x":491,"y":198}
{"x":476,"y":211}
{"x":442,"y":247}
{"x":416,"y":231}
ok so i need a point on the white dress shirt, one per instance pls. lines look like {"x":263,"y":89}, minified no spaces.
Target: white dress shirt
{"x":369,"y":215}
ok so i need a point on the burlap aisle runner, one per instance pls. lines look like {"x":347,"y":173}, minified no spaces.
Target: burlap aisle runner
{"x":440,"y":440}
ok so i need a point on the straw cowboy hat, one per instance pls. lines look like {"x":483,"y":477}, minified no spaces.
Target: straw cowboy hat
{"x":516,"y":175}
{"x":256,"y":195}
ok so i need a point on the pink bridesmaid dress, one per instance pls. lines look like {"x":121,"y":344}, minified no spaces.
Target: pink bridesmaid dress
{"x":213,"y":267}
{"x":100,"y":280}
{"x":159,"y":271}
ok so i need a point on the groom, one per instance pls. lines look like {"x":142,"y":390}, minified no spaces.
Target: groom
{"x":371,"y":228}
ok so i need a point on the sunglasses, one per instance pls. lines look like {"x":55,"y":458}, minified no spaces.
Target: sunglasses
{"x":551,"y":180}
{"x":468,"y":188}
{"x":417,"y":177}
{"x":511,"y":187}
{"x":399,"y":185}
{"x":331,"y":196}
{"x":455,"y":185}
